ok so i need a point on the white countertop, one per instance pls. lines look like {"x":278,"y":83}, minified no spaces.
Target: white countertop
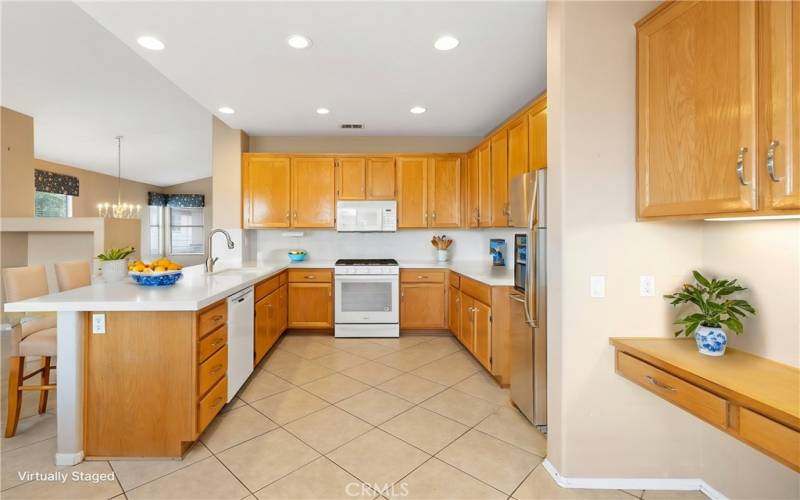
{"x":197,"y":289}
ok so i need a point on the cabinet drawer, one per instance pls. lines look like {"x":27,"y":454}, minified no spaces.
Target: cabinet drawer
{"x":211,"y":318}
{"x":455,"y":280}
{"x":211,"y":404}
{"x":421,"y":276}
{"x":309,"y":275}
{"x":209,"y":344}
{"x":772,"y":437}
{"x":477,"y":290}
{"x":691,"y":398}
{"x":283,"y":278}
{"x":266,"y":287}
{"x":212,"y":370}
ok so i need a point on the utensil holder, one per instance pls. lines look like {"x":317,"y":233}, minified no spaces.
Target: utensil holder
{"x":442,"y":255}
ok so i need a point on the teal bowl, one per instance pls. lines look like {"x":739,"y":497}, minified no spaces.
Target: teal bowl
{"x":297,"y":257}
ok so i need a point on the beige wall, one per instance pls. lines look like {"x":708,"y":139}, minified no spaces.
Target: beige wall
{"x":227,"y":147}
{"x":16,"y":164}
{"x":362,"y":144}
{"x":601,"y":425}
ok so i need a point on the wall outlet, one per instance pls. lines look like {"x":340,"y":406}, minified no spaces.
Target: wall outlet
{"x":647,"y":286}
{"x":98,"y":323}
{"x":597,"y":287}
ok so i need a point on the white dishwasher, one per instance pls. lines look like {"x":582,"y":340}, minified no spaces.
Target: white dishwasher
{"x":240,"y":339}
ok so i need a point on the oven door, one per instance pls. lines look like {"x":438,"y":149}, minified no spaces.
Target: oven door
{"x":367,"y":299}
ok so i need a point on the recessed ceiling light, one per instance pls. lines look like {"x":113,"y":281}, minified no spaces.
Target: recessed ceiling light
{"x":418,"y":110}
{"x":227,"y":110}
{"x":299,"y":42}
{"x":323,"y":111}
{"x":446,"y":42}
{"x":150,"y":42}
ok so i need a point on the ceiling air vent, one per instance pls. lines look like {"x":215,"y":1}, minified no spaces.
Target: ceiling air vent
{"x":352,"y":125}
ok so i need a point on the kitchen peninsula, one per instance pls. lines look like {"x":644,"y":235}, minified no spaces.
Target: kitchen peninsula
{"x":143,"y":371}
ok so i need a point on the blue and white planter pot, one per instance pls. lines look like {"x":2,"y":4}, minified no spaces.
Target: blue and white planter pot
{"x":711,"y":341}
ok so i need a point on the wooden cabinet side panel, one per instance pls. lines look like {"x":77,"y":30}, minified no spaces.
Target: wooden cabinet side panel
{"x":139,"y":387}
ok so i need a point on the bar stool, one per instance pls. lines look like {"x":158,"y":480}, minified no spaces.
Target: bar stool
{"x":73,"y":274}
{"x":36,"y":337}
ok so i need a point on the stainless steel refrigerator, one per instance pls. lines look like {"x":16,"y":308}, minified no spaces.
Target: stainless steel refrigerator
{"x":529,"y":298}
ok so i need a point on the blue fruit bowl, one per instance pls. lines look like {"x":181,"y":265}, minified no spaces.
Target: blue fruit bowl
{"x":297,"y":257}
{"x":167,"y":278}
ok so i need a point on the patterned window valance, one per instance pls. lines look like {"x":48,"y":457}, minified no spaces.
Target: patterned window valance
{"x":51,"y":182}
{"x":176,"y":200}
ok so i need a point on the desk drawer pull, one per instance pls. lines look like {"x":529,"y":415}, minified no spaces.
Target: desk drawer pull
{"x":661,"y":385}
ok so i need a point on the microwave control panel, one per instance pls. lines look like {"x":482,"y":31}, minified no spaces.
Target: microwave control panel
{"x":389,"y":219}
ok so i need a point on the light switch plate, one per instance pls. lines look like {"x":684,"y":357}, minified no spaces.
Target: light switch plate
{"x":597,"y":287}
{"x":98,"y":323}
{"x":647,"y":286}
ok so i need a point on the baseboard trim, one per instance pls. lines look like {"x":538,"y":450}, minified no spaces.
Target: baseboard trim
{"x":607,"y":483}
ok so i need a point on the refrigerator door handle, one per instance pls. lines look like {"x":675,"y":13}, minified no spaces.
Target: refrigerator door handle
{"x":532,"y":303}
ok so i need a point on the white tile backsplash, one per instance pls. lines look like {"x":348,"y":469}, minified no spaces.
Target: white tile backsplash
{"x":406,"y":244}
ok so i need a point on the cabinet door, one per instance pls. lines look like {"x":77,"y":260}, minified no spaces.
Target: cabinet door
{"x":283,"y":309}
{"x":265,"y":191}
{"x":380,"y":179}
{"x":537,"y":137}
{"x":485,"y":184}
{"x":310,"y":305}
{"x":473,"y":194}
{"x":454,"y":311}
{"x":518,"y":148}
{"x":500,"y":179}
{"x":696,"y":130}
{"x":412,"y":192}
{"x":313,"y":192}
{"x":467,"y":327}
{"x":444,"y":191}
{"x":261,"y":330}
{"x":422,"y":305}
{"x":351,"y":178}
{"x":779,"y":77}
{"x":482,"y":318}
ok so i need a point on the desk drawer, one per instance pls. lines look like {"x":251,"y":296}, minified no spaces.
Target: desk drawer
{"x":212,"y":370}
{"x":209,"y":344}
{"x":211,"y":318}
{"x":772,"y":437}
{"x":211,"y":404}
{"x":421,"y":276}
{"x":309,"y":276}
{"x":691,"y":398}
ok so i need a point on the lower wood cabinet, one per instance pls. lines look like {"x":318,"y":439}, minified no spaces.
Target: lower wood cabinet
{"x":310,"y":305}
{"x":271,"y":321}
{"x":422,"y":306}
{"x":454,"y":310}
{"x":475,"y":330}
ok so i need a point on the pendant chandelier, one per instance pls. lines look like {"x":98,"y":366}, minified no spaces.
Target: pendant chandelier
{"x":119,"y":210}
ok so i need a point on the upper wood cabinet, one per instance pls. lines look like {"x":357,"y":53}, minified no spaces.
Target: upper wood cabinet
{"x":500,"y":208}
{"x":472,"y":191}
{"x":518,"y":147}
{"x":485,"y":184}
{"x":412,"y":191}
{"x":313,"y":192}
{"x":696,"y":119}
{"x":380,"y":178}
{"x":265,"y":191}
{"x":537,"y":136}
{"x":444,"y":191}
{"x":351,"y":178}
{"x":779,"y":80}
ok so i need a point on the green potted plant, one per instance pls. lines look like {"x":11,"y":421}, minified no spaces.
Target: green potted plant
{"x":716,"y":309}
{"x":114,"y":263}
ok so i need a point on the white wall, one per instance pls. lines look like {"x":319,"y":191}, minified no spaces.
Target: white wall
{"x":406,"y":244}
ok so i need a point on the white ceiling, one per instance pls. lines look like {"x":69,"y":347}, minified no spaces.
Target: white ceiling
{"x":370,"y":61}
{"x":84,"y":87}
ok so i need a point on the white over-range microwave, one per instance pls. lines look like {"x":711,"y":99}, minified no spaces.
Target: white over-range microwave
{"x":366,"y":216}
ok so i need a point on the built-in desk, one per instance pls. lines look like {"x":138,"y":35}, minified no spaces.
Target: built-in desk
{"x":753,"y":399}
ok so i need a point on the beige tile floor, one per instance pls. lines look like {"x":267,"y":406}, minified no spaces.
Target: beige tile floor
{"x":324,"y":418}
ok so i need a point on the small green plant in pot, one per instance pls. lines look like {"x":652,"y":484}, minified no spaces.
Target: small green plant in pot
{"x":114,"y":263}
{"x":717,"y":309}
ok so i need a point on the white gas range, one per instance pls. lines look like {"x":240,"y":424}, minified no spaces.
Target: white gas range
{"x":367,"y":298}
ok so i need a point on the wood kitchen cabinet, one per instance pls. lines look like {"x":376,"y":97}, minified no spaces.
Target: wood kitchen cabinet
{"x":484,"y":185}
{"x":475,"y":331}
{"x":518,"y":147}
{"x":422,"y":306}
{"x":472,"y":218}
{"x":313,"y":192}
{"x":310,"y":298}
{"x":499,"y":182}
{"x":351,"y":178}
{"x":266,"y":191}
{"x":444,"y":191}
{"x":412,"y":191}
{"x":696,"y":109}
{"x":380,"y":178}
{"x":270,"y":322}
{"x":454,"y":311}
{"x":537,"y":136}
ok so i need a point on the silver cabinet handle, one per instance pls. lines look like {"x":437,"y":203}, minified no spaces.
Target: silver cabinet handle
{"x":660,"y":384}
{"x":771,"y":161}
{"x":740,"y":166}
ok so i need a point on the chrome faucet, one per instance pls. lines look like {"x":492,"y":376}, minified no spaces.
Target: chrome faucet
{"x":209,"y":259}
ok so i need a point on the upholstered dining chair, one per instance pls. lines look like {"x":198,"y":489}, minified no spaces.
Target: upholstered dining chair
{"x":73,"y":274}
{"x":35,"y":337}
